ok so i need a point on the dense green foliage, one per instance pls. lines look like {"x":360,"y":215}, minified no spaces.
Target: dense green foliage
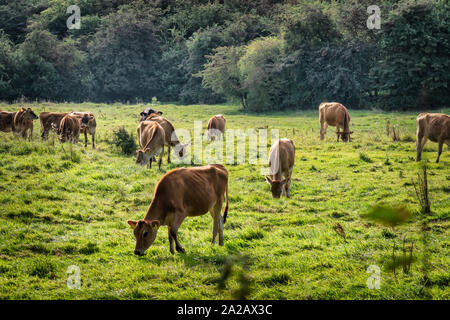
{"x":59,"y":209}
{"x":273,"y":54}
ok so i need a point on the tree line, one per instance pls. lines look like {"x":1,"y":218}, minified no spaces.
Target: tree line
{"x":264,"y":54}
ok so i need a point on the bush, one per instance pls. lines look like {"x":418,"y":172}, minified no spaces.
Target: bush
{"x":125,"y":141}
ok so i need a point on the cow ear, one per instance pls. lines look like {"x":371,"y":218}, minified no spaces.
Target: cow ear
{"x":132,"y":223}
{"x":155,"y":224}
{"x":350,"y":132}
{"x":160,"y":113}
{"x":268,"y":180}
{"x":283,"y":181}
{"x":147,"y":150}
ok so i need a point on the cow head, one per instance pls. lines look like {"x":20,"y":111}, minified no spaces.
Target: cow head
{"x":29,"y":114}
{"x":143,"y":157}
{"x":345,"y":136}
{"x":85,"y":121}
{"x":276,"y":186}
{"x":144,"y":114}
{"x":145,"y":233}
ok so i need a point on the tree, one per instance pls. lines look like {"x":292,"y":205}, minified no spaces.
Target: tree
{"x":415,"y":67}
{"x":123,"y":59}
{"x":221,"y":73}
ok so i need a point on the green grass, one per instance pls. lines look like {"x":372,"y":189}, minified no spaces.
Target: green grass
{"x":58,"y":209}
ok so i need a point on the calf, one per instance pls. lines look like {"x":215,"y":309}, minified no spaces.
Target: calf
{"x":281,"y":162}
{"x":171,"y":139}
{"x":87,"y":125}
{"x":69,"y":129}
{"x":216,"y":126}
{"x":433,"y":126}
{"x":336,"y":115}
{"x":23,"y":121}
{"x":181,"y":193}
{"x":151,"y":138}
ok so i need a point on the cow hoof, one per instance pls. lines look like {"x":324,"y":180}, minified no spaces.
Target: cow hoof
{"x":180,"y":250}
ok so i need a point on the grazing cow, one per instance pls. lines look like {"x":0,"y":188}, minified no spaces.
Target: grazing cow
{"x":87,"y":125}
{"x":281,"y":162}
{"x":181,"y":193}
{"x":69,"y":129}
{"x":148,"y":111}
{"x":151,"y":138}
{"x":171,"y":138}
{"x":18,"y":122}
{"x":50,"y":121}
{"x":216,"y":126}
{"x":336,"y":115}
{"x":433,"y":126}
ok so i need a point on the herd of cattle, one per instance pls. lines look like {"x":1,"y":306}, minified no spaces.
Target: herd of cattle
{"x":200,"y":189}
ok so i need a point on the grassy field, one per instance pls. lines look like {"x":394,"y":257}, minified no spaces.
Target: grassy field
{"x":58,"y":210}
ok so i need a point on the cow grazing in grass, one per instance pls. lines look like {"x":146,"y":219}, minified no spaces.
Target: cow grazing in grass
{"x":216,"y":126}
{"x":336,"y":115}
{"x":146,"y":112}
{"x":69,"y":129}
{"x":87,"y":125}
{"x":50,"y":121}
{"x":433,"y":126}
{"x":18,"y":122}
{"x":151,"y":138}
{"x":281,"y":162}
{"x":181,"y":193}
{"x":171,"y":139}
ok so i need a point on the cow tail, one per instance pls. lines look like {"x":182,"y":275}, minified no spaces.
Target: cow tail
{"x":226,"y":205}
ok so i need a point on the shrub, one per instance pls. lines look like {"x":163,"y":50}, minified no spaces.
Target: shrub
{"x":125,"y":141}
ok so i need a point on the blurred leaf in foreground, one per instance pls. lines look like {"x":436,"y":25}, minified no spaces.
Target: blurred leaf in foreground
{"x":388,"y":216}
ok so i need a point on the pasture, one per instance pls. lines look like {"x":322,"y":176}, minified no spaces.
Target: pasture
{"x":63,"y":206}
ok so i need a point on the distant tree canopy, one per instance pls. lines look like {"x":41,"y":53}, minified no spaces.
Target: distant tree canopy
{"x":263,"y":54}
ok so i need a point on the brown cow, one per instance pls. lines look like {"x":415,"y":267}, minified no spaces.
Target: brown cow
{"x":18,"y":122}
{"x":50,"y":121}
{"x":281,"y":162}
{"x":216,"y":126}
{"x":87,"y":125}
{"x":336,"y":115}
{"x":181,"y":193}
{"x":433,"y":126}
{"x":6,"y":120}
{"x":69,"y":129}
{"x":151,"y":138}
{"x":171,"y":139}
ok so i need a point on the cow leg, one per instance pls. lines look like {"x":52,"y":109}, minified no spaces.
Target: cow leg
{"x":440,"y":144}
{"x":93,"y":143}
{"x":179,"y":217}
{"x":217,"y":223}
{"x":419,"y":146}
{"x":149,"y":165}
{"x":288,"y":183}
{"x":85,"y":138}
{"x":172,"y":249}
{"x":323,"y":130}
{"x":160,"y":158}
{"x":168,"y":154}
